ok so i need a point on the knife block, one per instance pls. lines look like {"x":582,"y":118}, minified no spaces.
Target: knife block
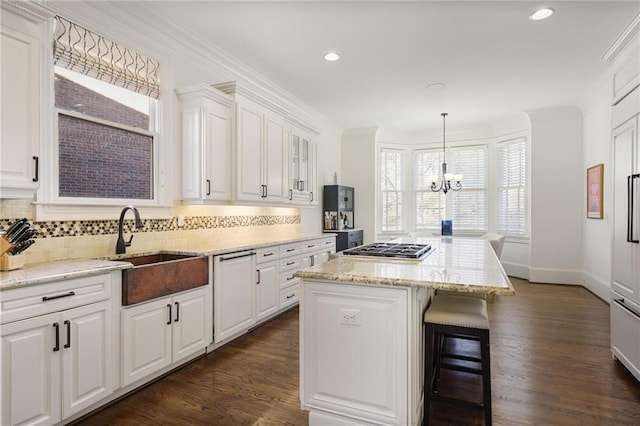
{"x":5,"y":246}
{"x":9,"y":263}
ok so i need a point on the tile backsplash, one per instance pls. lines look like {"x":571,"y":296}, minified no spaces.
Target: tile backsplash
{"x":77,"y":239}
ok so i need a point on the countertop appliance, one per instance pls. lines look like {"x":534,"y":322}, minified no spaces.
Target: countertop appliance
{"x":625,"y":283}
{"x":397,"y":250}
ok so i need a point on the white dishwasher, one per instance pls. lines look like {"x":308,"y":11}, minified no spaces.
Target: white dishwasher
{"x":234,"y":294}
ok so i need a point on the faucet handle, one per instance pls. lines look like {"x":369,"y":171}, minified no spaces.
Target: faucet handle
{"x":128,"y":243}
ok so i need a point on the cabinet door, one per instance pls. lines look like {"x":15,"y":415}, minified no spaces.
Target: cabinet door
{"x":191,"y":323}
{"x":233,"y":295}
{"x":249,"y":154}
{"x":267,"y":289}
{"x":313,"y":174}
{"x":31,"y":367}
{"x":275,"y":176}
{"x":19,"y":134}
{"x":146,"y":339}
{"x":218,"y":152}
{"x":87,"y":364}
{"x":626,"y":255}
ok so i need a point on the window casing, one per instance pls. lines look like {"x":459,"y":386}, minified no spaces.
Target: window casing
{"x":125,"y":163}
{"x":474,"y":209}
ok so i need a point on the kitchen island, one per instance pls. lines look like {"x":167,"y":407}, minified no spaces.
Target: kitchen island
{"x":361,"y":339}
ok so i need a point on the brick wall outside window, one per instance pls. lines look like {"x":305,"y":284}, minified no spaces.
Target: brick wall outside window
{"x":97,"y":160}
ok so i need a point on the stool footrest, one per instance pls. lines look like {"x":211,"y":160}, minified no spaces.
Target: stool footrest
{"x":446,"y":366}
{"x":458,"y":400}
{"x":460,"y":357}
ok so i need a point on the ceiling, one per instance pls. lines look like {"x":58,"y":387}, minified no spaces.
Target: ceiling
{"x":494,"y":61}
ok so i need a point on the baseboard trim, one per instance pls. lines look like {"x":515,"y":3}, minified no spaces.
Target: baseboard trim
{"x":556,"y":276}
{"x":597,"y":286}
{"x":517,"y":270}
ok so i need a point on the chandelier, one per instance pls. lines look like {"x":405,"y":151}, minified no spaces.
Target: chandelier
{"x":448,"y":181}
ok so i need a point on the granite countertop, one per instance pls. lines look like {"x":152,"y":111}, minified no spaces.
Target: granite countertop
{"x":465,"y":265}
{"x":57,"y":271}
{"x":54,"y":271}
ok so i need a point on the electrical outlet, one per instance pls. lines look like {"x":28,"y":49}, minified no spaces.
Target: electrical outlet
{"x":180,"y":221}
{"x":350,"y":317}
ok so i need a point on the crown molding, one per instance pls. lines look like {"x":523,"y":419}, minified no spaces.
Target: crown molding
{"x":204,"y":90}
{"x":623,"y":39}
{"x":251,"y":83}
{"x":31,"y":10}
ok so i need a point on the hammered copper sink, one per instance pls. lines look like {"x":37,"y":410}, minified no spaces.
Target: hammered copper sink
{"x":162,"y":274}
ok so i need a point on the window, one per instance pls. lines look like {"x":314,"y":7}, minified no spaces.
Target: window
{"x":430,"y":206}
{"x":512,"y":219}
{"x":392,"y":190}
{"x":106,"y":102}
{"x":467,"y":207}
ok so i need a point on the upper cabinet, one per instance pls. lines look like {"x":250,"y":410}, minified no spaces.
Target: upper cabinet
{"x":260,"y":149}
{"x":302,"y":169}
{"x":275,"y":160}
{"x":23,"y":25}
{"x":206,"y":144}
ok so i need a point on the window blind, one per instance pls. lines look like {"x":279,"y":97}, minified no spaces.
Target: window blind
{"x":467,"y":207}
{"x":391,"y":186}
{"x":512,"y":219}
{"x":88,"y":53}
{"x":430,"y":206}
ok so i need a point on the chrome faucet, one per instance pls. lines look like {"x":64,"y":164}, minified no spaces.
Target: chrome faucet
{"x":121,"y":245}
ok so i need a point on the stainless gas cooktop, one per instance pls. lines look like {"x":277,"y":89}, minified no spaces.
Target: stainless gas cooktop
{"x":397,"y":250}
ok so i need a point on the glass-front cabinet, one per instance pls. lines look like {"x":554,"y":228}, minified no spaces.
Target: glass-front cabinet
{"x":302,"y":171}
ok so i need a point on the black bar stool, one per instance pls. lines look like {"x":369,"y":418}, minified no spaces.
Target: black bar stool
{"x":456,"y":317}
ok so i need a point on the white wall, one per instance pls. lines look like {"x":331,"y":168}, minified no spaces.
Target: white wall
{"x":556,"y":188}
{"x":359,"y":170}
{"x":596,"y":249}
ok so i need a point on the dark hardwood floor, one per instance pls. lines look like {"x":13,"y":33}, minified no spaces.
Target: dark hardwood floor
{"x":550,"y":356}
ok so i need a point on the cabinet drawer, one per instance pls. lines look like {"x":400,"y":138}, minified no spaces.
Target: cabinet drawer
{"x":290,"y":263}
{"x":289,"y":249}
{"x":42,"y":299}
{"x":289,"y":296}
{"x":267,"y":254}
{"x":287,"y":279}
{"x":308,"y":246}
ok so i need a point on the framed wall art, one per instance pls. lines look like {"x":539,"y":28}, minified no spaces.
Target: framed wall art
{"x":595,"y":180}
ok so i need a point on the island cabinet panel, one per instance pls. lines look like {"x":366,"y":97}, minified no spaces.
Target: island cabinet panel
{"x":355,"y":343}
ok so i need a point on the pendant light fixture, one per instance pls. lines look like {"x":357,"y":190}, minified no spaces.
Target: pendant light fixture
{"x":448,"y":181}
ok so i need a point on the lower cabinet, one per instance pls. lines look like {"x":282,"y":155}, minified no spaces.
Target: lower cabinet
{"x":161,"y":332}
{"x":267,"y":289}
{"x":55,"y":365}
{"x":234,"y":294}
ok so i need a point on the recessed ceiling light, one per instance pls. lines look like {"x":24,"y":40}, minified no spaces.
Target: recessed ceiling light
{"x":540,"y":14}
{"x":332,"y":56}
{"x":436,"y":86}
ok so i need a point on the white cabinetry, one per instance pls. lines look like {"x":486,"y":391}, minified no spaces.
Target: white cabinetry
{"x":20,"y":54}
{"x":234,"y":294}
{"x":289,"y":284}
{"x":267,"y":283}
{"x":355,"y":343}
{"x":260,"y":147}
{"x":206,"y":143}
{"x":164,"y":331}
{"x":57,"y":360}
{"x":275,"y":161}
{"x":315,"y":252}
{"x":625,"y":304}
{"x":302,"y":182}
